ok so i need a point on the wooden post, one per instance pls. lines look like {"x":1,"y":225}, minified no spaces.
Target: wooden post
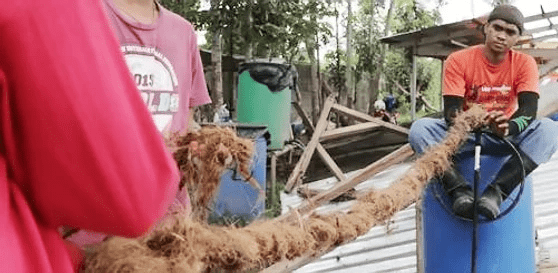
{"x":414,"y":85}
{"x":304,"y":160}
{"x":304,"y":118}
{"x":442,"y":86}
{"x":273,"y":176}
{"x":330,"y":164}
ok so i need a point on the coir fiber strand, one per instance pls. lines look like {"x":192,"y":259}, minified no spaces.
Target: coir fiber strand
{"x":190,"y":246}
{"x":202,"y":157}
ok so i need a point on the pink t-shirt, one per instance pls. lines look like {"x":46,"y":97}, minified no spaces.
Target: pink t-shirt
{"x":170,"y":78}
{"x":165,"y":63}
{"x":77,"y":146}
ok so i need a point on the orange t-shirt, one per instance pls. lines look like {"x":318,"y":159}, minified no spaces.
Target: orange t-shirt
{"x":468,"y":74}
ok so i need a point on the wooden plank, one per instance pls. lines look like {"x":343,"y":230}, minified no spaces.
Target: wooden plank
{"x":331,"y":165}
{"x":273,"y":177}
{"x":304,"y":118}
{"x":348,"y":131}
{"x":540,"y":16}
{"x":308,"y":193}
{"x":304,"y":160}
{"x":395,"y":157}
{"x":441,"y":37}
{"x":365,"y":117}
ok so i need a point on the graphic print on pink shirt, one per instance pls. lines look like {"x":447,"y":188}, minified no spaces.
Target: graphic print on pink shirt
{"x":155,"y":77}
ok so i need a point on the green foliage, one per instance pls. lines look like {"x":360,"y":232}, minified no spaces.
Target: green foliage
{"x":411,"y":16}
{"x":366,"y":39}
{"x":335,"y":68}
{"x":278,"y":27}
{"x":185,"y":8}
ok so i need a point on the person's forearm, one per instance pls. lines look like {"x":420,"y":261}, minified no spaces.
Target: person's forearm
{"x":525,"y":114}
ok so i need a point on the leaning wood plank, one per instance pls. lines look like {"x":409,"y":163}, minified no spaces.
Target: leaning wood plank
{"x":364,"y":117}
{"x":395,"y":157}
{"x":306,"y":193}
{"x":304,"y":118}
{"x":348,"y":131}
{"x":304,"y":160}
{"x":331,"y":165}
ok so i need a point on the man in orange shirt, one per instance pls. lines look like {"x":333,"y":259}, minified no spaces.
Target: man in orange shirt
{"x":506,"y":83}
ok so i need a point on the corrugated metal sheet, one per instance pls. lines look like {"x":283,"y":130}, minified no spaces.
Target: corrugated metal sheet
{"x":391,"y":248}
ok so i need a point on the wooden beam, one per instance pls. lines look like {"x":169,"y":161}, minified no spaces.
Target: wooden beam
{"x":305,"y":120}
{"x":365,"y":117}
{"x":543,"y":53}
{"x":302,"y":165}
{"x":273,"y":170}
{"x":331,"y":165}
{"x":307,"y":193}
{"x":414,"y":84}
{"x":395,"y":157}
{"x":540,"y":16}
{"x":348,"y":131}
{"x":538,"y":39}
{"x":541,"y":29}
{"x":449,"y":35}
{"x":459,"y":44}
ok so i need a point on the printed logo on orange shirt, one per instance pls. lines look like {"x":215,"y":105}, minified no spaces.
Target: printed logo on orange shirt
{"x":492,"y":97}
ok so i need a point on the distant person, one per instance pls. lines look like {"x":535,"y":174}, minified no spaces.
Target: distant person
{"x":391,"y":103}
{"x":78,"y":147}
{"x":380,"y":111}
{"x":505,"y":82}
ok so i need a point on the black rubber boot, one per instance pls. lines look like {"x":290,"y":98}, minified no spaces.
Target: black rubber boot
{"x":507,"y":179}
{"x":489,"y":203}
{"x":460,"y":192}
{"x":463,"y":202}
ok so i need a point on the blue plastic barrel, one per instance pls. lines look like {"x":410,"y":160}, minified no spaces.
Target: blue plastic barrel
{"x":237,"y":199}
{"x":506,"y":244}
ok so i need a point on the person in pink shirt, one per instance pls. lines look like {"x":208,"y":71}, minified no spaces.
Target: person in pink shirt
{"x":161,"y":51}
{"x":77,"y":146}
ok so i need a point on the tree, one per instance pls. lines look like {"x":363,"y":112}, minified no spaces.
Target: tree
{"x":347,"y":98}
{"x":372,"y":52}
{"x":216,"y":71}
{"x":188,"y":9}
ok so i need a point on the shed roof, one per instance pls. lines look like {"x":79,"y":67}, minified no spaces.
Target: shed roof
{"x":440,"y":41}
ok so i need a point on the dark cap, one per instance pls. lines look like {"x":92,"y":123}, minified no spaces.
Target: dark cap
{"x":508,"y":13}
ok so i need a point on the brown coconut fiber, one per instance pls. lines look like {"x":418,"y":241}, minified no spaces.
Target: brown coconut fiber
{"x":202,"y":157}
{"x":190,"y":246}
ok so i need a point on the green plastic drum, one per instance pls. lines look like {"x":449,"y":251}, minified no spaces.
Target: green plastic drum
{"x":257,"y":104}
